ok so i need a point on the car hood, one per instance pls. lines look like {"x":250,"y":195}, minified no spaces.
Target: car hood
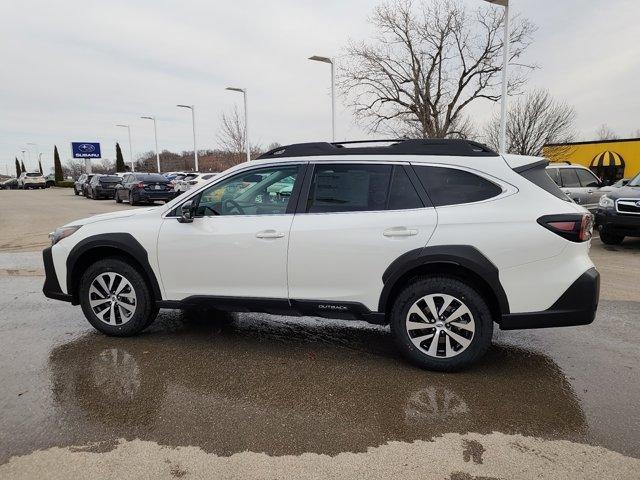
{"x":624,"y":192}
{"x":111,"y":215}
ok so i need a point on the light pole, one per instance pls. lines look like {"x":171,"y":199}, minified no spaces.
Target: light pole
{"x":155,"y":134}
{"x":331,"y":62}
{"x":23,"y":156}
{"x":128,"y":127}
{"x":246,"y":120}
{"x":505,"y":62}
{"x":32,"y":144}
{"x":193,"y":122}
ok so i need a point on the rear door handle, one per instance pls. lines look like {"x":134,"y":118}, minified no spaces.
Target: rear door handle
{"x":400,"y":232}
{"x":269,"y":234}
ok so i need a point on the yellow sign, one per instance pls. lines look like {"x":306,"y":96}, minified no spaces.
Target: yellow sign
{"x":611,"y":160}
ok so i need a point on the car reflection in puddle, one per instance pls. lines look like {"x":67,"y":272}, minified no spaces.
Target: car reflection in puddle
{"x":288,"y":387}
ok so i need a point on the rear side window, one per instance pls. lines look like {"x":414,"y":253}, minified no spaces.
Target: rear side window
{"x":569,"y":177}
{"x":349,"y":188}
{"x":450,"y":186}
{"x":541,"y":176}
{"x":402,"y":194}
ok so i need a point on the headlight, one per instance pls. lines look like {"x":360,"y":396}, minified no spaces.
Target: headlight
{"x":63,"y":232}
{"x":606,"y":202}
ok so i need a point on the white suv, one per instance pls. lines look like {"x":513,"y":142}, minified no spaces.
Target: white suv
{"x":438,"y":238}
{"x":31,"y":180}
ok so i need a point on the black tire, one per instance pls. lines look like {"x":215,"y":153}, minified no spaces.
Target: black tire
{"x":75,"y":191}
{"x":132,"y":200}
{"x":610,"y":238}
{"x":117,"y":197}
{"x":145,"y":310}
{"x":421,"y":286}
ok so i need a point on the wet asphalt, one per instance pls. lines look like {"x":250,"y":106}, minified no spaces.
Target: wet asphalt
{"x":285,"y":386}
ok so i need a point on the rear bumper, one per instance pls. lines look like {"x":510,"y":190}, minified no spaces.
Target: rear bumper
{"x":104,"y":192}
{"x":576,"y":306}
{"x":51,"y":288}
{"x":151,"y":195}
{"x":618,"y":224}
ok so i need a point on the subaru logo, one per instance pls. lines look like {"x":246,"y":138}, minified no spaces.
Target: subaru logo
{"x":86,"y":148}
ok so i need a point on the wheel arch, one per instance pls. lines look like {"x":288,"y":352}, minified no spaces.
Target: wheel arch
{"x":463,"y":262}
{"x":102,"y":246}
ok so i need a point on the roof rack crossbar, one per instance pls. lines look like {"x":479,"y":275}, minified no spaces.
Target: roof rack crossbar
{"x":439,"y":146}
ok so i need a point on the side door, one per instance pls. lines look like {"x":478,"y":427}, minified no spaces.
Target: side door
{"x":355,"y":220}
{"x":591,"y":183}
{"x":572,"y":187}
{"x":236,"y":245}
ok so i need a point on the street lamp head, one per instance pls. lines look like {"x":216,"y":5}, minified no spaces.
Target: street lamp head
{"x":120,"y":125}
{"x":318,"y":58}
{"x":185,"y":106}
{"x":504,"y":3}
{"x":235,"y":89}
{"x":149,"y":118}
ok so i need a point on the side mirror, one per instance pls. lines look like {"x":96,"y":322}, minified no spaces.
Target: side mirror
{"x":187,"y":210}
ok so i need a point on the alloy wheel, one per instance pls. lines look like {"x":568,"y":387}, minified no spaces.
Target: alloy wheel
{"x":112,"y":298}
{"x":440,"y":325}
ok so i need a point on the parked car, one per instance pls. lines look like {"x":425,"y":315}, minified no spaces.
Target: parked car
{"x":80,"y":185}
{"x":10,"y":184}
{"x":31,"y":180}
{"x":50,"y":180}
{"x":619,"y":184}
{"x":144,"y":187}
{"x":578,"y":182}
{"x":618,"y":213}
{"x":187,"y":181}
{"x":174,"y":175}
{"x":438,"y":238}
{"x":103,"y":186}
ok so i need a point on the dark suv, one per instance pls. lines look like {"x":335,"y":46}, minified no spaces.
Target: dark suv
{"x":102,"y":186}
{"x":618,"y":213}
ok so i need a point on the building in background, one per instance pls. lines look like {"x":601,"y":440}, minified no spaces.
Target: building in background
{"x":610,"y":160}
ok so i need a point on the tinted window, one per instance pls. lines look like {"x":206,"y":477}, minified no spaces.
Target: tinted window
{"x":553,"y":173}
{"x":264,"y":191}
{"x":402,"y":195}
{"x":587,"y":179}
{"x":34,"y":174}
{"x":349,"y":188}
{"x":449,"y":186}
{"x":569,"y":177}
{"x":541,"y":177}
{"x":151,"y":177}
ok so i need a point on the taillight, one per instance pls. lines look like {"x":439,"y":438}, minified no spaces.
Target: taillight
{"x":140,"y":184}
{"x":575,"y":227}
{"x":170,"y":185}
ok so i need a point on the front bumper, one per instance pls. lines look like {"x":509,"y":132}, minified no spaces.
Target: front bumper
{"x":618,"y":223}
{"x":576,"y":306}
{"x":51,"y":288}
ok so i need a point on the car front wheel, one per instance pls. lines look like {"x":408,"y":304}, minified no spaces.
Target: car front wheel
{"x":116,"y":299}
{"x":610,"y":238}
{"x":441,"y":323}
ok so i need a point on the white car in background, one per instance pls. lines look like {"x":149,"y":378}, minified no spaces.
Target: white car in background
{"x":31,"y":180}
{"x":193,"y":179}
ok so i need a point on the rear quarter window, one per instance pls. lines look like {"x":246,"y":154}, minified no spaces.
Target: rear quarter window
{"x":543,"y":178}
{"x":450,"y":186}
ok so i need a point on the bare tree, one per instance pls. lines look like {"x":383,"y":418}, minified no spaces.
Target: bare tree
{"x":533,"y":121}
{"x":605,"y":133}
{"x":231,"y":137}
{"x":427,"y":64}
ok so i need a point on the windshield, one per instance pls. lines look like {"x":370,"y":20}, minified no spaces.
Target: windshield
{"x":151,"y":177}
{"x":634,"y":182}
{"x":34,"y":174}
{"x":109,"y":178}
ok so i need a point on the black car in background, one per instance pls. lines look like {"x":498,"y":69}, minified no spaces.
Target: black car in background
{"x":144,"y":187}
{"x":10,"y":184}
{"x":102,"y":186}
{"x":80,"y":185}
{"x":618,"y":213}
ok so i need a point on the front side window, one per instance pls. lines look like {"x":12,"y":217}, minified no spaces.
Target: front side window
{"x":263,"y":191}
{"x":587,"y":179}
{"x":569,"y":177}
{"x":450,"y":186}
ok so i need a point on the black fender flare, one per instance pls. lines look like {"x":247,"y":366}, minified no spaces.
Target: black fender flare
{"x":124,"y":242}
{"x":466,"y":256}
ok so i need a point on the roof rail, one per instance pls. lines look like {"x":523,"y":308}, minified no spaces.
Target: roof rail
{"x":438,"y":146}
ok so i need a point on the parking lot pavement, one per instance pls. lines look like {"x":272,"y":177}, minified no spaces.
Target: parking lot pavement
{"x":273,"y":397}
{"x":27,"y":216}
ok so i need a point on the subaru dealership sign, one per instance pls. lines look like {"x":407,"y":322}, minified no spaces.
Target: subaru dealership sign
{"x":85,"y":150}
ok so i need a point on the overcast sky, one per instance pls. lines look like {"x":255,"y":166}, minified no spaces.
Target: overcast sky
{"x":71,"y":70}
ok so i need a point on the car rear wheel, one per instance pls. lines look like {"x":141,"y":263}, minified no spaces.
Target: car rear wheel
{"x":441,"y":323}
{"x":75,"y":190}
{"x":116,"y":299}
{"x":117,"y":197}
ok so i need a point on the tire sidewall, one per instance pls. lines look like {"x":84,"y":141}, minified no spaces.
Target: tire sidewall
{"x":145,"y":306}
{"x":458,"y":289}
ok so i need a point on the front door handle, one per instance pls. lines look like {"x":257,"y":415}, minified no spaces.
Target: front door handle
{"x":400,"y":232}
{"x":269,"y":234}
